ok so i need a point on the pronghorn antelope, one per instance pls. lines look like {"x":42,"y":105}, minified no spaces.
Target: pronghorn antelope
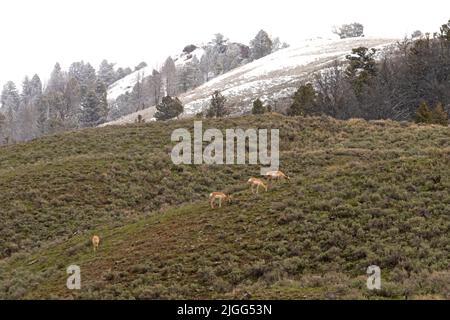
{"x":256,"y":182}
{"x":220,"y":196}
{"x":276,"y":175}
{"x":95,"y":242}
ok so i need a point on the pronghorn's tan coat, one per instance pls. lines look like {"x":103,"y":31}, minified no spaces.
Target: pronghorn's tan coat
{"x":254,"y":182}
{"x":276,"y":175}
{"x":95,"y":242}
{"x":219,"y":196}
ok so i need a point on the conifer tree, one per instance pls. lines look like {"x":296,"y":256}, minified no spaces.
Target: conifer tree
{"x":362,"y":67}
{"x":91,"y":112}
{"x":445,"y":31}
{"x":106,"y":73}
{"x":169,"y":108}
{"x":304,"y":101}
{"x":258,"y":107}
{"x":439,"y":116}
{"x":424,"y":114}
{"x":10,"y":98}
{"x":261,"y":45}
{"x":217,"y":108}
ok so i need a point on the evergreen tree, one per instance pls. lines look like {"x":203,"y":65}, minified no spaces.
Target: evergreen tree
{"x":36,"y":87}
{"x":362,"y":67}
{"x":72,"y":98}
{"x":169,"y":76}
{"x":26,"y":93}
{"x":140,"y":66}
{"x":106,"y":73}
{"x":424,"y":114}
{"x":56,"y":82}
{"x":439,"y":116}
{"x":445,"y":31}
{"x":88,"y":78}
{"x":304,"y":101}
{"x":352,"y":30}
{"x":155,"y":83}
{"x":189,"y":75}
{"x":217,"y":108}
{"x":10,"y":99}
{"x":91,"y":112}
{"x":101,"y":93}
{"x":3,"y":129}
{"x":169,"y":108}
{"x":258,"y":107}
{"x":261,"y":45}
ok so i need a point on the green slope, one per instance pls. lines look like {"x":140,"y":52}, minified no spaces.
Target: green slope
{"x":361,"y":193}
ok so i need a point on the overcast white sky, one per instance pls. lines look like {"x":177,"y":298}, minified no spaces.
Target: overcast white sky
{"x":36,"y":34}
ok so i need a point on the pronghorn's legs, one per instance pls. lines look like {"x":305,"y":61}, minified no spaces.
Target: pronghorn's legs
{"x":212,"y":203}
{"x":220,"y":202}
{"x":257,"y":189}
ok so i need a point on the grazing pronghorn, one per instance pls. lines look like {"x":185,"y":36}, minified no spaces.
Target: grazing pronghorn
{"x":276,"y":175}
{"x":256,"y":182}
{"x":95,"y":242}
{"x":218,"y":195}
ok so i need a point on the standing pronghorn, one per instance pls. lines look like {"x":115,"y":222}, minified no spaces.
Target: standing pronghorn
{"x":256,"y":182}
{"x":95,"y":242}
{"x":276,"y":175}
{"x":218,"y":195}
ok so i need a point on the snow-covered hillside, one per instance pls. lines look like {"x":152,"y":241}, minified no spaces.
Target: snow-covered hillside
{"x":127,"y":83}
{"x":272,"y":78}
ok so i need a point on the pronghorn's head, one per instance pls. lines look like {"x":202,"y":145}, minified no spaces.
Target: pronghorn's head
{"x":250,"y":180}
{"x":229,"y":198}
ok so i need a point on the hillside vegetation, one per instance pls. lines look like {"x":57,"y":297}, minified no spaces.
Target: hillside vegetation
{"x":361,"y":193}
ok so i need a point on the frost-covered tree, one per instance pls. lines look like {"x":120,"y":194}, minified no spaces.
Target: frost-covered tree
{"x":106,"y":73}
{"x":101,"y":93}
{"x":261,"y":45}
{"x":36,"y":87}
{"x":91,"y":112}
{"x":155,"y":88}
{"x":10,"y":98}
{"x":85,"y":74}
{"x":3,"y":129}
{"x":26,"y":94}
{"x":352,"y":30}
{"x":57,"y":79}
{"x":417,"y":34}
{"x":122,"y":73}
{"x":169,"y":77}
{"x":278,"y":45}
{"x":189,"y":75}
{"x":445,"y":31}
{"x":140,"y":66}
{"x":207,"y":63}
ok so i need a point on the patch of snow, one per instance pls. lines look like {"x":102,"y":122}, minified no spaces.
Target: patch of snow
{"x":273,"y":77}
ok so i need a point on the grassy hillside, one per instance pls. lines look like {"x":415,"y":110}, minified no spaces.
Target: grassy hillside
{"x":361,"y":193}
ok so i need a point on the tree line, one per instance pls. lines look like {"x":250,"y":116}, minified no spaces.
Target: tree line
{"x":77,"y":97}
{"x":219,"y":56}
{"x":71,"y":99}
{"x":409,"y":83}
